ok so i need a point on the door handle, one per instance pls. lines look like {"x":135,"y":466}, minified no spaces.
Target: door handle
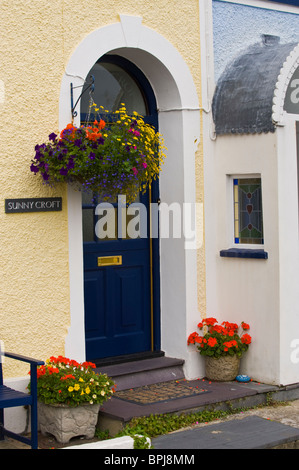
{"x":110,"y":260}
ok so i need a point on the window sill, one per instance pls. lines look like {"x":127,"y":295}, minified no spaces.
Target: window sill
{"x":244,"y":253}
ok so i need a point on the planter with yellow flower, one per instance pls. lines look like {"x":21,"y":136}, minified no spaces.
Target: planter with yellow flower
{"x":69,"y":398}
{"x":222,"y":346}
{"x":115,"y":154}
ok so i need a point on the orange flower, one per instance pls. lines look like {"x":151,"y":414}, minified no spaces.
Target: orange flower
{"x":193,"y":338}
{"x":212,"y":342}
{"x":89,"y":364}
{"x":246,"y":339}
{"x":52,"y":370}
{"x":67,"y":128}
{"x":210,"y":321}
{"x":41,"y":371}
{"x":68,"y":376}
{"x":100,"y":124}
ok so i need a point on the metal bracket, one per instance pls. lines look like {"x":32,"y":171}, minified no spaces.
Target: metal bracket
{"x":90,"y":86}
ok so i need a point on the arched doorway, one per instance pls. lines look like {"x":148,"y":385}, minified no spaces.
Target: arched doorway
{"x":179,"y":123}
{"x":122,"y":309}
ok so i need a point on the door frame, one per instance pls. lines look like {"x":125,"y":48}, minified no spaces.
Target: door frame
{"x":179,"y":123}
{"x":151,"y":118}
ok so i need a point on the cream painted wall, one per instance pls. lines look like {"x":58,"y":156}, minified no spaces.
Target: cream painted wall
{"x":39,"y":39}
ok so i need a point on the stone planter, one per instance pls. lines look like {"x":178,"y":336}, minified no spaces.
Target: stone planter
{"x":64,"y":422}
{"x":222,"y":369}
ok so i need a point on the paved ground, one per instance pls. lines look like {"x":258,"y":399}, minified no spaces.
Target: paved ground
{"x":270,"y":427}
{"x":263,"y":427}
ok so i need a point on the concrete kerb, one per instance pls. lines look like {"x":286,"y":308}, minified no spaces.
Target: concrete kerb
{"x":124,"y":442}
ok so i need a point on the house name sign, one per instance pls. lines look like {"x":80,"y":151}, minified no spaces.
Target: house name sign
{"x":291,"y":102}
{"x":44,"y":204}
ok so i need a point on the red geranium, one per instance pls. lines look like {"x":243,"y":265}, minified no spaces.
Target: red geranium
{"x":220,"y":339}
{"x":63,"y":380}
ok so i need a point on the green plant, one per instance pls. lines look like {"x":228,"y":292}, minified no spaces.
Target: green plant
{"x":140,"y":442}
{"x":157,"y":425}
{"x":108,"y":158}
{"x":220,"y":340}
{"x":102,"y":435}
{"x":66,"y":381}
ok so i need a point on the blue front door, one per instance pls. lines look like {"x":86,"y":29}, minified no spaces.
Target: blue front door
{"x":121,"y":288}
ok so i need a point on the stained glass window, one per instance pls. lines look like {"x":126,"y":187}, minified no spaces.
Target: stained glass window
{"x":248,"y":214}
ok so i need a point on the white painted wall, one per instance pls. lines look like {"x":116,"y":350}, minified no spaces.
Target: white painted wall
{"x":247,"y":289}
{"x":288,"y":250}
{"x":263,"y":293}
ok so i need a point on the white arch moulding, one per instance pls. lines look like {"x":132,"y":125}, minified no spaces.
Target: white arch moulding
{"x":179,"y":122}
{"x":286,"y":72}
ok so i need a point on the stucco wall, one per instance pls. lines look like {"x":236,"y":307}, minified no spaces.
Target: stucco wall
{"x":38,"y":40}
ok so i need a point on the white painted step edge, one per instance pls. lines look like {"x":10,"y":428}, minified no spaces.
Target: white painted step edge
{"x":124,"y":442}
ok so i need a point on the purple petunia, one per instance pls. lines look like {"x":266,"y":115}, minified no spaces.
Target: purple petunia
{"x":52,"y":136}
{"x":71,"y":164}
{"x":34,"y":168}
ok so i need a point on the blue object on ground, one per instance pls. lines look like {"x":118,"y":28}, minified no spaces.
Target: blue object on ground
{"x":243,"y":378}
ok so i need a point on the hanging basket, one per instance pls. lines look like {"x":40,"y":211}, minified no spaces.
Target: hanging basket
{"x":222,"y":369}
{"x":107,"y":158}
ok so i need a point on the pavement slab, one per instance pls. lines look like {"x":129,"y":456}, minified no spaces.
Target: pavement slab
{"x":252,"y":432}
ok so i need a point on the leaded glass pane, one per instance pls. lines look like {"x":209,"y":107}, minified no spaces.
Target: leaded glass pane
{"x":248,"y":211}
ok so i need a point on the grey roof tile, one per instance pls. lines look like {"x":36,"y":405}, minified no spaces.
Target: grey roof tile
{"x":243,"y":98}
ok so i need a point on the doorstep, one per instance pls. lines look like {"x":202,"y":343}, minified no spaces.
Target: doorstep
{"x":120,"y":409}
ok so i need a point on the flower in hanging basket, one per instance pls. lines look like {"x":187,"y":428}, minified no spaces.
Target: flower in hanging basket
{"x":221,"y":339}
{"x":122,"y":156}
{"x":65,"y":381}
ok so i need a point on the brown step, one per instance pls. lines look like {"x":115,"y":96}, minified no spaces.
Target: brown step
{"x":145,"y":372}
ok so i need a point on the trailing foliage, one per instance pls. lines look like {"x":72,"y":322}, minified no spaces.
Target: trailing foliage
{"x":156,"y":425}
{"x":109,"y":158}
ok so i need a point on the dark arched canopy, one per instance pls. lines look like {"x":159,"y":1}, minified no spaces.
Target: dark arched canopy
{"x":243,"y":98}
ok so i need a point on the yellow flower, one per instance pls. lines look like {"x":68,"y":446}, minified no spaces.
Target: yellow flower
{"x":81,"y":380}
{"x":87,"y":390}
{"x":70,"y":389}
{"x":77,"y":387}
